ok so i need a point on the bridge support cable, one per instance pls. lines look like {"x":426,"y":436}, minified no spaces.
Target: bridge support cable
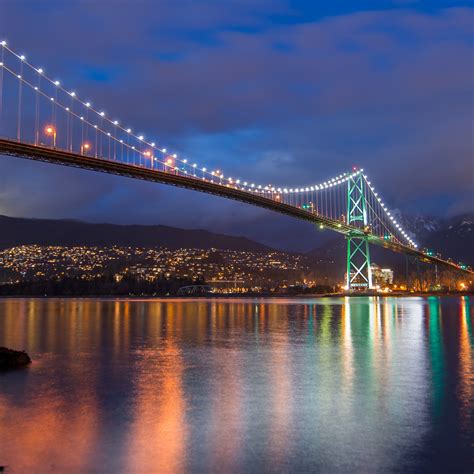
{"x":2,"y":60}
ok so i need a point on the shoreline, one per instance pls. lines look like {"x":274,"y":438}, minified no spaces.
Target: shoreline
{"x":238,"y":296}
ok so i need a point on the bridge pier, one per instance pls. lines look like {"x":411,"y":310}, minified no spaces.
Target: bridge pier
{"x":358,"y":269}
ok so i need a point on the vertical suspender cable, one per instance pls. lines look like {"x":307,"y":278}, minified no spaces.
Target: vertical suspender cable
{"x":37,"y":109}
{"x":20,"y":92}
{"x":2,"y":59}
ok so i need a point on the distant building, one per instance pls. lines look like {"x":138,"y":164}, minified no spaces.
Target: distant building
{"x":381,"y":276}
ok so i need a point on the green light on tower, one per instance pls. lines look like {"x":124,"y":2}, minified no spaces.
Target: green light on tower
{"x":358,"y":271}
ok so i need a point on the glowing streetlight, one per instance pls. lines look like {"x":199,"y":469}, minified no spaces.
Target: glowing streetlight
{"x":85,"y":148}
{"x":51,"y":132}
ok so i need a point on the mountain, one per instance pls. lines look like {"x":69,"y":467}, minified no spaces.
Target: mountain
{"x":455,"y":239}
{"x":19,"y":231}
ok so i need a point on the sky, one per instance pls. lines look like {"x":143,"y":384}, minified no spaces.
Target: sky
{"x":287,"y":92}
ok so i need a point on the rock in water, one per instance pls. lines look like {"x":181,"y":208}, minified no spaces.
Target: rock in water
{"x":10,"y":359}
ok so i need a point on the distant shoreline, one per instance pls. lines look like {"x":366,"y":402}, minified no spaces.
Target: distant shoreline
{"x":234,"y":296}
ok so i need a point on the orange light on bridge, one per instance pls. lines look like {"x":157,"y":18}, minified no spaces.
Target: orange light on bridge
{"x":51,"y":132}
{"x":85,"y":148}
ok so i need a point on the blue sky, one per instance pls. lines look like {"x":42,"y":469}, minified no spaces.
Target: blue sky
{"x":287,"y":92}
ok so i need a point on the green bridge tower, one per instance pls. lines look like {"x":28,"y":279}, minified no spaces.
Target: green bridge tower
{"x":359,"y":272}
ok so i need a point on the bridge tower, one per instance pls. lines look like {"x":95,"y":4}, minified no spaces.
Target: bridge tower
{"x":359,"y":273}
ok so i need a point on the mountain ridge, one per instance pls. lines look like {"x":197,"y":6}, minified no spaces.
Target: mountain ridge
{"x":22,"y":231}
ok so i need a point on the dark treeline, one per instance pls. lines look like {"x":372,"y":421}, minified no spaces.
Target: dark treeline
{"x":129,"y":286}
{"x":101,"y":286}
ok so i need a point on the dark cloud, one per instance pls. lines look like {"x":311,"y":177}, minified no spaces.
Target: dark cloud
{"x":261,"y":90}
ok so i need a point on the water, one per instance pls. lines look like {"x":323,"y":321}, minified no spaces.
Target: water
{"x":283,"y":385}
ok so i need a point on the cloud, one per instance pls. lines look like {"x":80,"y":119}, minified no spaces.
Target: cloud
{"x":287,"y":102}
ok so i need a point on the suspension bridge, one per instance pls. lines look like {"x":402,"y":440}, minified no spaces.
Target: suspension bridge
{"x":43,"y":120}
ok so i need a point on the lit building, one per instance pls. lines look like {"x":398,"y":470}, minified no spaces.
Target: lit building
{"x":381,"y":276}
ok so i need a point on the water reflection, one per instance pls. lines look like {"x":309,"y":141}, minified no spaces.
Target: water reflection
{"x":236,"y":385}
{"x":466,"y":379}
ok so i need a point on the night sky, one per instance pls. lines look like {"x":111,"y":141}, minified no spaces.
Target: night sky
{"x":287,"y":92}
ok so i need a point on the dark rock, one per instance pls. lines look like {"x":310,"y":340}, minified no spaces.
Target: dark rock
{"x":10,"y":359}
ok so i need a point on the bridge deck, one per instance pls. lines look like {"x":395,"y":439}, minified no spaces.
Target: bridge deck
{"x":62,"y":157}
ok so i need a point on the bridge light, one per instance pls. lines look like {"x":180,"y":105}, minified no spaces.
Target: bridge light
{"x":72,"y":94}
{"x":102,"y":114}
{"x":22,"y":57}
{"x":3,"y":43}
{"x":140,"y":137}
{"x":51,"y":132}
{"x":116,"y":122}
{"x":204,"y":170}
{"x":194,"y":165}
{"x":129,"y":130}
{"x":164,"y":150}
{"x":88,"y":104}
{"x":175,"y":155}
{"x":185,"y":160}
{"x":153,"y":144}
{"x":85,"y":147}
{"x":57,"y":83}
{"x":40,"y":70}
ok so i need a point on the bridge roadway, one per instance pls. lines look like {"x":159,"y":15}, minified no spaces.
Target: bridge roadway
{"x":59,"y":156}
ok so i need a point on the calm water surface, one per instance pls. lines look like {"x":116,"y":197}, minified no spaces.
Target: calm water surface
{"x":283,"y":385}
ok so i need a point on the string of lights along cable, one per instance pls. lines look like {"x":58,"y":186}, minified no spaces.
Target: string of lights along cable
{"x":38,"y":109}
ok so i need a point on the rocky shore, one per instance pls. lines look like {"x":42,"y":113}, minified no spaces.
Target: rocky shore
{"x":10,"y":359}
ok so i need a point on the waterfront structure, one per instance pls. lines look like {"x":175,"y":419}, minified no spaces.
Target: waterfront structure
{"x":382,"y":276}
